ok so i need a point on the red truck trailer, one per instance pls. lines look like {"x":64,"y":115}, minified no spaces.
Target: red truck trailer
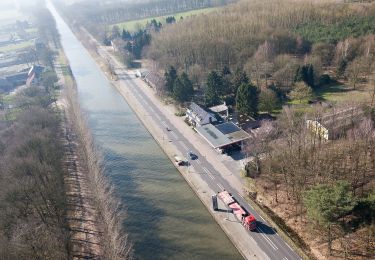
{"x":248,"y":220}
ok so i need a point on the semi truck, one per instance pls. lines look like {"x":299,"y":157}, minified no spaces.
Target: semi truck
{"x":247,"y":219}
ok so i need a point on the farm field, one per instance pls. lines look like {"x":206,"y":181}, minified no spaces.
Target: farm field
{"x":16,"y":46}
{"x":136,"y":24}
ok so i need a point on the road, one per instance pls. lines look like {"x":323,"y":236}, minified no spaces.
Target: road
{"x":266,"y":238}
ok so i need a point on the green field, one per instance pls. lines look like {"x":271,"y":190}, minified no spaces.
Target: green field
{"x":16,"y":46}
{"x":138,"y":24}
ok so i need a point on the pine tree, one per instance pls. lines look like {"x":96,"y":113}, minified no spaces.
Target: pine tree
{"x":170,"y":76}
{"x":183,"y":89}
{"x":214,"y":88}
{"x":247,"y":100}
{"x":240,"y":77}
{"x":325,"y":204}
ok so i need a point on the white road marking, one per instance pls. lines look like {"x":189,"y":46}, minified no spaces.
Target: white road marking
{"x":241,"y":196}
{"x":208,"y":173}
{"x":262,"y":218}
{"x":269,"y":241}
{"x":198,"y":162}
{"x":221,"y":187}
{"x":289,"y":246}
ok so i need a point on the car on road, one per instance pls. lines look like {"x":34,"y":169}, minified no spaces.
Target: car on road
{"x":192,"y":155}
{"x":179,"y":161}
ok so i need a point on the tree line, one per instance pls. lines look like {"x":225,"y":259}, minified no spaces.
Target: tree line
{"x":126,"y":11}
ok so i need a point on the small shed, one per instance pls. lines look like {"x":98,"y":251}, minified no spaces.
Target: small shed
{"x":222,"y":110}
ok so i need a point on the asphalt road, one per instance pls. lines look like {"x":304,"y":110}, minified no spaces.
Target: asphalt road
{"x":265,"y":236}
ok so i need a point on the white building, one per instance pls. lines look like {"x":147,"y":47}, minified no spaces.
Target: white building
{"x":197,"y":116}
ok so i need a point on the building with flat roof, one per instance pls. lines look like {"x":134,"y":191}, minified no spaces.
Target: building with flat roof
{"x":222,"y":110}
{"x":335,"y":124}
{"x":222,"y":136}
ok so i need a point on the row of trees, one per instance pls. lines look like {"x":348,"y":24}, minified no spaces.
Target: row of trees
{"x":223,"y":86}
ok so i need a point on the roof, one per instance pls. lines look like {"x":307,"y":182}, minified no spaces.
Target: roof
{"x":340,"y":118}
{"x":36,"y":69}
{"x":219,"y":108}
{"x":223,"y":134}
{"x":198,"y":111}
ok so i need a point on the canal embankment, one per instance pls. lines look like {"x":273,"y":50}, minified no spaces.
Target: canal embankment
{"x":92,"y":213}
{"x":164,"y":219}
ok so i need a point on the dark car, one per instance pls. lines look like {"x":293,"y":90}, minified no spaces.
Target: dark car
{"x":192,"y":155}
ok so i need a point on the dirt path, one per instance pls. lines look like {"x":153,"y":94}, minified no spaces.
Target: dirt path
{"x":85,"y":237}
{"x":81,"y":210}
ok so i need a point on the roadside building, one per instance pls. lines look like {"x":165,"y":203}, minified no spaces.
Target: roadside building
{"x":34,"y":75}
{"x":332,"y":125}
{"x":197,"y":116}
{"x":17,"y":79}
{"x":221,"y":110}
{"x":223,"y":137}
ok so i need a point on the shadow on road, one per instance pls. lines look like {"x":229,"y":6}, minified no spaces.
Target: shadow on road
{"x":265,"y":229}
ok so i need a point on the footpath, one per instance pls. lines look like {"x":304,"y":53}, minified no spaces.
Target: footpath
{"x":81,"y":212}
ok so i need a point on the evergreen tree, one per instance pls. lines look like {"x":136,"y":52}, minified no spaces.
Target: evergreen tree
{"x":225,"y":71}
{"x":126,"y":36}
{"x":170,"y":19}
{"x":170,"y":76}
{"x":305,"y":73}
{"x":310,"y":81}
{"x":183,"y":89}
{"x":238,"y":79}
{"x":247,"y":100}
{"x":325,"y":204}
{"x":226,"y":75}
{"x":214,"y":88}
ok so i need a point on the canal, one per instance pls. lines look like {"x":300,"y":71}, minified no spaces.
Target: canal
{"x":165,"y":220}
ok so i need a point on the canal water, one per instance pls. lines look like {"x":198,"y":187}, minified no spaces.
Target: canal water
{"x":165,"y":220}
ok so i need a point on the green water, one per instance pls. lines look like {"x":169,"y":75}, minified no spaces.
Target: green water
{"x":165,"y":219}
